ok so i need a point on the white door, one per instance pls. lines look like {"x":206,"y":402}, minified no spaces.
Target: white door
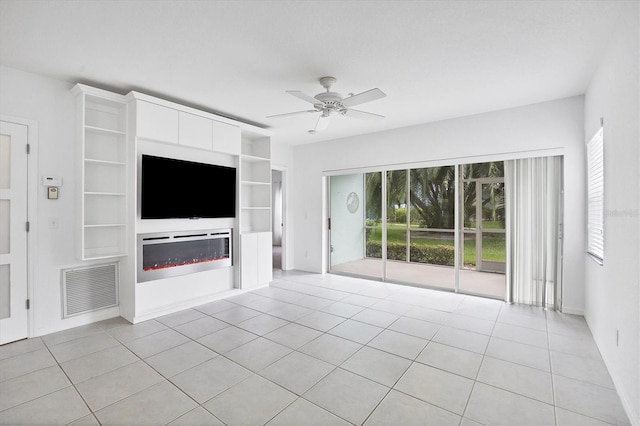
{"x":13,"y":232}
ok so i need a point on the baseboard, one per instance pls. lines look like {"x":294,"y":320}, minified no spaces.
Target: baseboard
{"x":633,"y":415}
{"x":80,"y":320}
{"x":573,"y":311}
{"x":166,"y":310}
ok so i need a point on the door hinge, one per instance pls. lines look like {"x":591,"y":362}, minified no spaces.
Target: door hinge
{"x":27,"y":226}
{"x":28,"y":304}
{"x":329,"y":223}
{"x":28,"y":149}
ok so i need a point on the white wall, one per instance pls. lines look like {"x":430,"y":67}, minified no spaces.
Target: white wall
{"x":545,"y":126}
{"x":347,"y":236}
{"x":612,"y":290}
{"x":51,"y":104}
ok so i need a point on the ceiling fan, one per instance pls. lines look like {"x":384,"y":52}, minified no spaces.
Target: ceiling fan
{"x":329,"y":103}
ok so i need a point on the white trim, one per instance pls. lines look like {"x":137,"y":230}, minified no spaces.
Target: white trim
{"x":453,"y":161}
{"x":191,"y":303}
{"x":32,"y":211}
{"x":80,"y":320}
{"x":572,"y":311}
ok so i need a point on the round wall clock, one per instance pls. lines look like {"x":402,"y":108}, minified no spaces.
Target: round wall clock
{"x":353,"y":202}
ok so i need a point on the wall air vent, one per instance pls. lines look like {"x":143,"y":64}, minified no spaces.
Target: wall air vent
{"x":88,"y":289}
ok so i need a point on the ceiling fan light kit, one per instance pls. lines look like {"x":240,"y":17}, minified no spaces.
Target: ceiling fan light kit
{"x":328,"y":103}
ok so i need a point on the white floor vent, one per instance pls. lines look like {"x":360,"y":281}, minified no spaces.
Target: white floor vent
{"x":89,"y":289}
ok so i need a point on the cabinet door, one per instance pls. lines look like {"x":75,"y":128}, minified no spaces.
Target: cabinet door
{"x":226,"y":138}
{"x":195,"y":131}
{"x":265,"y":258}
{"x":249,"y":260}
{"x":157,"y":122}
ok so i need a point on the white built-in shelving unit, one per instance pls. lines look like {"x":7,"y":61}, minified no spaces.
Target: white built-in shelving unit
{"x":255,"y":180}
{"x":114,"y":131}
{"x":255,"y":211}
{"x":102,"y":138}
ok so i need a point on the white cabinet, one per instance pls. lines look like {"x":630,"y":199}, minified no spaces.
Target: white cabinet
{"x":256,"y":259}
{"x":226,"y":137}
{"x":195,"y":131}
{"x":265,"y":258}
{"x":102,"y":173}
{"x":157,"y":122}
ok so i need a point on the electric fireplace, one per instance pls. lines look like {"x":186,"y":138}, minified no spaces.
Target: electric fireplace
{"x":169,"y":254}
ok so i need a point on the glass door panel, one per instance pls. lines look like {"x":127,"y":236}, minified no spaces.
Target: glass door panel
{"x":396,"y":216}
{"x":493,"y":250}
{"x":356,"y":234}
{"x":428,"y":226}
{"x":483,"y":248}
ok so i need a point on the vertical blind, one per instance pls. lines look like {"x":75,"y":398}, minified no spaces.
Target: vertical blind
{"x":595,"y":196}
{"x":534,"y":219}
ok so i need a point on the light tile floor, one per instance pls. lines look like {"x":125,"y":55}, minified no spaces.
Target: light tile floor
{"x":317,"y":350}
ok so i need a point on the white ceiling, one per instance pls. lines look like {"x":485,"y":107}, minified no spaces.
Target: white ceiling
{"x":433,"y":59}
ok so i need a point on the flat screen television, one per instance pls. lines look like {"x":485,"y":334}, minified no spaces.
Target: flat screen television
{"x":178,"y":189}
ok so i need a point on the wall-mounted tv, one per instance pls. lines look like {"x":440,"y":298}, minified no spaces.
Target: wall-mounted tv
{"x":178,"y":189}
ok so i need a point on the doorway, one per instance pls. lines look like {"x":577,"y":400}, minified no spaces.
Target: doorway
{"x":13,"y":232}
{"x":278,"y":218}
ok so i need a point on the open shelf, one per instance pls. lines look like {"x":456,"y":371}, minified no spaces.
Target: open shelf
{"x":254,"y":159}
{"x":104,"y":162}
{"x":105,"y":132}
{"x":102,"y":137}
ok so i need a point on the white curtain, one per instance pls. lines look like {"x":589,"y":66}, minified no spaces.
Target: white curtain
{"x":534,"y":231}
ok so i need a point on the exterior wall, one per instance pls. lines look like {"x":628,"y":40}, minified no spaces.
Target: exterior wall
{"x":612,"y":290}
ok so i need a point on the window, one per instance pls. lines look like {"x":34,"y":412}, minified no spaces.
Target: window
{"x":595,"y":196}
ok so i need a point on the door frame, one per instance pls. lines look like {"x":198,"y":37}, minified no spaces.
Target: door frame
{"x":479,"y":230}
{"x":32,"y":208}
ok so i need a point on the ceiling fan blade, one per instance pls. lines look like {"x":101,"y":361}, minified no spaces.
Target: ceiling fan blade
{"x":360,"y":98}
{"x":292,"y":113}
{"x":303,"y":96}
{"x":354,"y":113}
{"x":323,"y":122}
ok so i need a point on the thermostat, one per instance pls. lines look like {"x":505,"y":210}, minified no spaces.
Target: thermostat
{"x":52,"y":180}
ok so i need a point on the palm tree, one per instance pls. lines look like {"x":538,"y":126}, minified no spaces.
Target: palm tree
{"x":432,"y":196}
{"x":432,"y":192}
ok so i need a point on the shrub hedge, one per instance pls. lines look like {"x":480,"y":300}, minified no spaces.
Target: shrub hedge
{"x":435,"y":255}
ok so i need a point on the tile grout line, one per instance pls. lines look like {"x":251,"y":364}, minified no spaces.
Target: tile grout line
{"x":74,"y":387}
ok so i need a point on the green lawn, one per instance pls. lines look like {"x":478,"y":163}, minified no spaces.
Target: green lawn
{"x":493,"y":247}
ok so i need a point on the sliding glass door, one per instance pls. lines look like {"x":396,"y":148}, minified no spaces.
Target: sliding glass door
{"x":448,"y":227}
{"x":355,"y":224}
{"x":402,"y":226}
